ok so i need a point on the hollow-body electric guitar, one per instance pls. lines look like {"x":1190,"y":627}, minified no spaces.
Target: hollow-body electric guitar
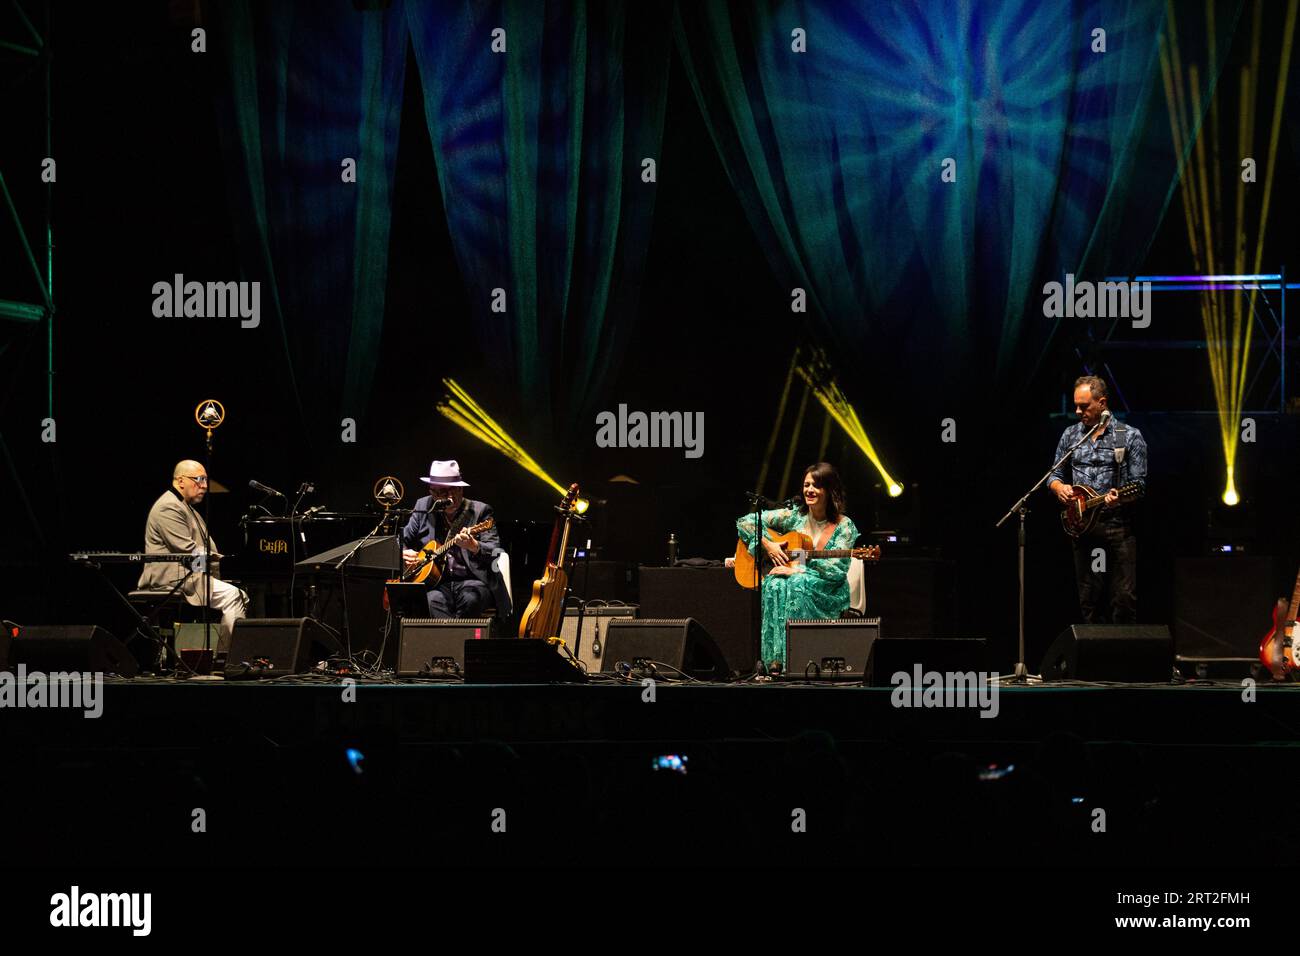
{"x":1277,"y":651}
{"x":798,"y":547}
{"x":1079,"y":515}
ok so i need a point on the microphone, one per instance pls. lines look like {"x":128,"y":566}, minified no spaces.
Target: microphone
{"x":792,"y":502}
{"x":264,"y":489}
{"x":312,"y":510}
{"x":441,"y":503}
{"x":1101,"y":422}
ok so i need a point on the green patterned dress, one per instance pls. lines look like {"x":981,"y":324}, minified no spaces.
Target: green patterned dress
{"x":819,"y":589}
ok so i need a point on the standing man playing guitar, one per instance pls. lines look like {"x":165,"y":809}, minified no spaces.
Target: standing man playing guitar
{"x":468,"y":582}
{"x":1113,"y":457}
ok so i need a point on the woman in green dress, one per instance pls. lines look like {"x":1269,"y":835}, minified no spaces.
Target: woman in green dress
{"x":813,"y":589}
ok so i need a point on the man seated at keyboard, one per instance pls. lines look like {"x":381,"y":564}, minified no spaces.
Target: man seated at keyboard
{"x":175,"y":526}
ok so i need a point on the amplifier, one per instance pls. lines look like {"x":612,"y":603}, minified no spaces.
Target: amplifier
{"x":681,"y":643}
{"x":276,"y":646}
{"x":728,"y":612}
{"x":435,"y":647}
{"x":590,"y":646}
{"x":829,"y":649}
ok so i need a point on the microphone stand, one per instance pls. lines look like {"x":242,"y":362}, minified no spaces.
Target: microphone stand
{"x":207,"y":555}
{"x":1021,"y":675}
{"x":343,"y":582}
{"x":757,"y":500}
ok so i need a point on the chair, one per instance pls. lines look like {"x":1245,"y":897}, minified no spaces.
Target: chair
{"x":502,"y":596}
{"x":857,"y":576}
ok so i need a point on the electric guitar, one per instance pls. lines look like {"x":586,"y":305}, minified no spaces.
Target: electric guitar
{"x":1079,"y":515}
{"x":1277,"y":651}
{"x":798,"y":547}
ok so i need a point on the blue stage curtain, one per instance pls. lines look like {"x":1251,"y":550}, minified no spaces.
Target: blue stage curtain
{"x":837,"y":155}
{"x":304,"y":88}
{"x":539,"y":156}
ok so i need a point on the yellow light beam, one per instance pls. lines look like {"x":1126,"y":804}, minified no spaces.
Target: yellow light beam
{"x":466,"y":413}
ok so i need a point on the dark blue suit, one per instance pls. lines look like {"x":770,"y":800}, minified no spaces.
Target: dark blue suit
{"x":468,"y":583}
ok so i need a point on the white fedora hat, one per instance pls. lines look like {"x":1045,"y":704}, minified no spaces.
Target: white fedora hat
{"x":446,"y":474}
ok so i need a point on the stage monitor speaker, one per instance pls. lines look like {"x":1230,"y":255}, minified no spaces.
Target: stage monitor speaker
{"x":86,"y":648}
{"x":710,"y":595}
{"x":681,"y":643}
{"x":944,"y":655}
{"x":430,"y":647}
{"x":1222,"y":604}
{"x":829,"y":649}
{"x":590,"y":646}
{"x":524,"y":660}
{"x":277,"y":646}
{"x":1136,"y":654}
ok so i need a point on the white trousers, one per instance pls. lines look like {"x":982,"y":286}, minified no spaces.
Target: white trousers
{"x":230,"y":601}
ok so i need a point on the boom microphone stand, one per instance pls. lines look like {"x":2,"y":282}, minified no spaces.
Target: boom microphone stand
{"x":1021,"y":675}
{"x":209,"y":414}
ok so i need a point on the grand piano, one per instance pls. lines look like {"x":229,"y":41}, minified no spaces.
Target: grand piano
{"x":289,"y":567}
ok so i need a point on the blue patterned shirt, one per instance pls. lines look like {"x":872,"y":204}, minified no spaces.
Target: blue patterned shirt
{"x":1093,"y":463}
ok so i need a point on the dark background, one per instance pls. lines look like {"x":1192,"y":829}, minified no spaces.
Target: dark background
{"x":141,"y":195}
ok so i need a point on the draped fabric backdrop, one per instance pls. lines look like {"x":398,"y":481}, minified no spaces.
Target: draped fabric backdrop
{"x":309,"y":88}
{"x":1062,"y":163}
{"x":836,"y":155}
{"x":539,"y":156}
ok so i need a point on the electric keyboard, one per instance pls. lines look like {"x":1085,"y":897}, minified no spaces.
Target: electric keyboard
{"x":132,"y":557}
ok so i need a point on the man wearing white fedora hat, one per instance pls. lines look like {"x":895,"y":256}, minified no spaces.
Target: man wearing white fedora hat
{"x":468,"y":583}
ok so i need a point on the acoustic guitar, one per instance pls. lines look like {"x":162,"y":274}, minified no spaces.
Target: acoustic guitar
{"x":427,"y":568}
{"x":1277,"y":650}
{"x":542,"y":616}
{"x":798,"y":547}
{"x":428,"y":561}
{"x":1079,"y":515}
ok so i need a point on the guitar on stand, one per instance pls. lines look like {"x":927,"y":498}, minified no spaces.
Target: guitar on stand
{"x":542,"y":616}
{"x":1277,"y":651}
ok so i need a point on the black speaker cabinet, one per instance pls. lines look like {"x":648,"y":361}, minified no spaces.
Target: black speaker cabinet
{"x":71,"y":647}
{"x":829,"y":649}
{"x":589,"y":646}
{"x":917,"y":596}
{"x":262,"y":647}
{"x":681,"y":643}
{"x":710,"y":595}
{"x":518,"y":661}
{"x":1222,"y":604}
{"x":436,"y":647}
{"x":1139,"y":654}
{"x":890,"y":655}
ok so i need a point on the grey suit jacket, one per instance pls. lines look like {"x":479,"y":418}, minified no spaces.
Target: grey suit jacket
{"x":173,"y":527}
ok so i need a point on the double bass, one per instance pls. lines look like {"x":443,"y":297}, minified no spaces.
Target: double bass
{"x":542,"y":616}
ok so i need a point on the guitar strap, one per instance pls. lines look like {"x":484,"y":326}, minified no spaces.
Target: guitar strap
{"x":1121,"y":446}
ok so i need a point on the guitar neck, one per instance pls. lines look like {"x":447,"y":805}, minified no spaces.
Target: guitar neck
{"x":835,"y":553}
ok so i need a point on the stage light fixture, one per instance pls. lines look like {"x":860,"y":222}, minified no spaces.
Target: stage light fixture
{"x":1213,"y":237}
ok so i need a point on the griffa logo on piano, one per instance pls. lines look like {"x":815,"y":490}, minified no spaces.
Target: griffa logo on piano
{"x":278,"y":546}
